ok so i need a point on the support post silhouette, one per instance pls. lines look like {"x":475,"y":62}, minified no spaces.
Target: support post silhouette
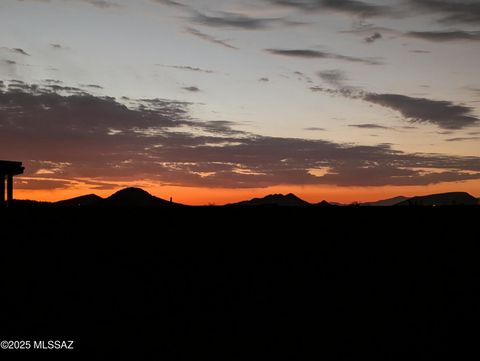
{"x":8,"y":170}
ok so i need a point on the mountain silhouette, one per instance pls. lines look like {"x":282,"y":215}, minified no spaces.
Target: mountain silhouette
{"x":275,"y":200}
{"x":386,"y":202}
{"x":442,"y":199}
{"x":135,"y":197}
{"x":323,"y":203}
{"x":86,"y":200}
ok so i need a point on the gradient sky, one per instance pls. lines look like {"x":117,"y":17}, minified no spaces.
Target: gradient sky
{"x":217,"y":101}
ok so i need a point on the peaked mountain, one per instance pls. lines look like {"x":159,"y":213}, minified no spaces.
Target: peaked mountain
{"x":442,"y":199}
{"x":275,"y":200}
{"x":385,"y":202}
{"x":323,"y":203}
{"x":135,"y":197}
{"x":87,"y":200}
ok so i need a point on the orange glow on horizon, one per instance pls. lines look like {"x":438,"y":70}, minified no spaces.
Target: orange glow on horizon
{"x":221,"y":196}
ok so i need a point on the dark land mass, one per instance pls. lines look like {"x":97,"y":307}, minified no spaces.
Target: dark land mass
{"x":289,"y":200}
{"x":137,"y":197}
{"x":86,"y":200}
{"x":386,"y":202}
{"x":443,"y":199}
{"x":241,"y":283}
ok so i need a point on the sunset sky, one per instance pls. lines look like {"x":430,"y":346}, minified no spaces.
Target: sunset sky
{"x":215,"y":101}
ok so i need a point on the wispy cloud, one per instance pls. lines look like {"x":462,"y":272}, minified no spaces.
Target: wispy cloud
{"x":441,"y":36}
{"x":443,"y":113}
{"x":368,"y":126}
{"x":460,"y":139}
{"x":315,"y":54}
{"x":351,"y":7}
{"x":91,"y":86}
{"x":420,"y":51}
{"x":18,"y":51}
{"x":188,"y":68}
{"x":450,"y":11}
{"x":102,"y":4}
{"x":57,"y":46}
{"x":209,"y":38}
{"x":333,"y":77}
{"x":192,"y":89}
{"x":170,"y":3}
{"x":237,"y":21}
{"x":373,"y":38}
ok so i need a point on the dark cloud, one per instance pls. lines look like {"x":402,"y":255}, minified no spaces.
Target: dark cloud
{"x":368,"y":126}
{"x":102,"y":4}
{"x":57,"y":46}
{"x":38,"y":183}
{"x":315,"y":129}
{"x":372,"y":38}
{"x":460,"y":139}
{"x":445,"y":114}
{"x":264,"y":80}
{"x":170,"y":3}
{"x":73,"y":136}
{"x":237,"y":21}
{"x":450,"y":11}
{"x":333,"y":77}
{"x":351,"y":7}
{"x":420,"y":51}
{"x":63,"y":89}
{"x":53,"y":81}
{"x":92,"y":86}
{"x":189,"y":68}
{"x":369,"y":30}
{"x":303,"y":77}
{"x":315,"y":54}
{"x":441,"y":36}
{"x":209,"y":38}
{"x":20,"y":51}
{"x":192,"y":89}
{"x":10,"y":62}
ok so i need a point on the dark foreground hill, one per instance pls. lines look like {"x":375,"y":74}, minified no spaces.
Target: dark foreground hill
{"x":242,"y":283}
{"x":386,"y":202}
{"x":82,"y":201}
{"x":128,"y":197}
{"x":134,"y":197}
{"x":288,"y":200}
{"x":442,"y":199}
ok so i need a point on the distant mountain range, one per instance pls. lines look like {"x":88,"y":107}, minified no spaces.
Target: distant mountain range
{"x":128,"y":197}
{"x":442,"y":199}
{"x":386,"y":202}
{"x":137,"y":197}
{"x":87,"y":200}
{"x":275,"y":200}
